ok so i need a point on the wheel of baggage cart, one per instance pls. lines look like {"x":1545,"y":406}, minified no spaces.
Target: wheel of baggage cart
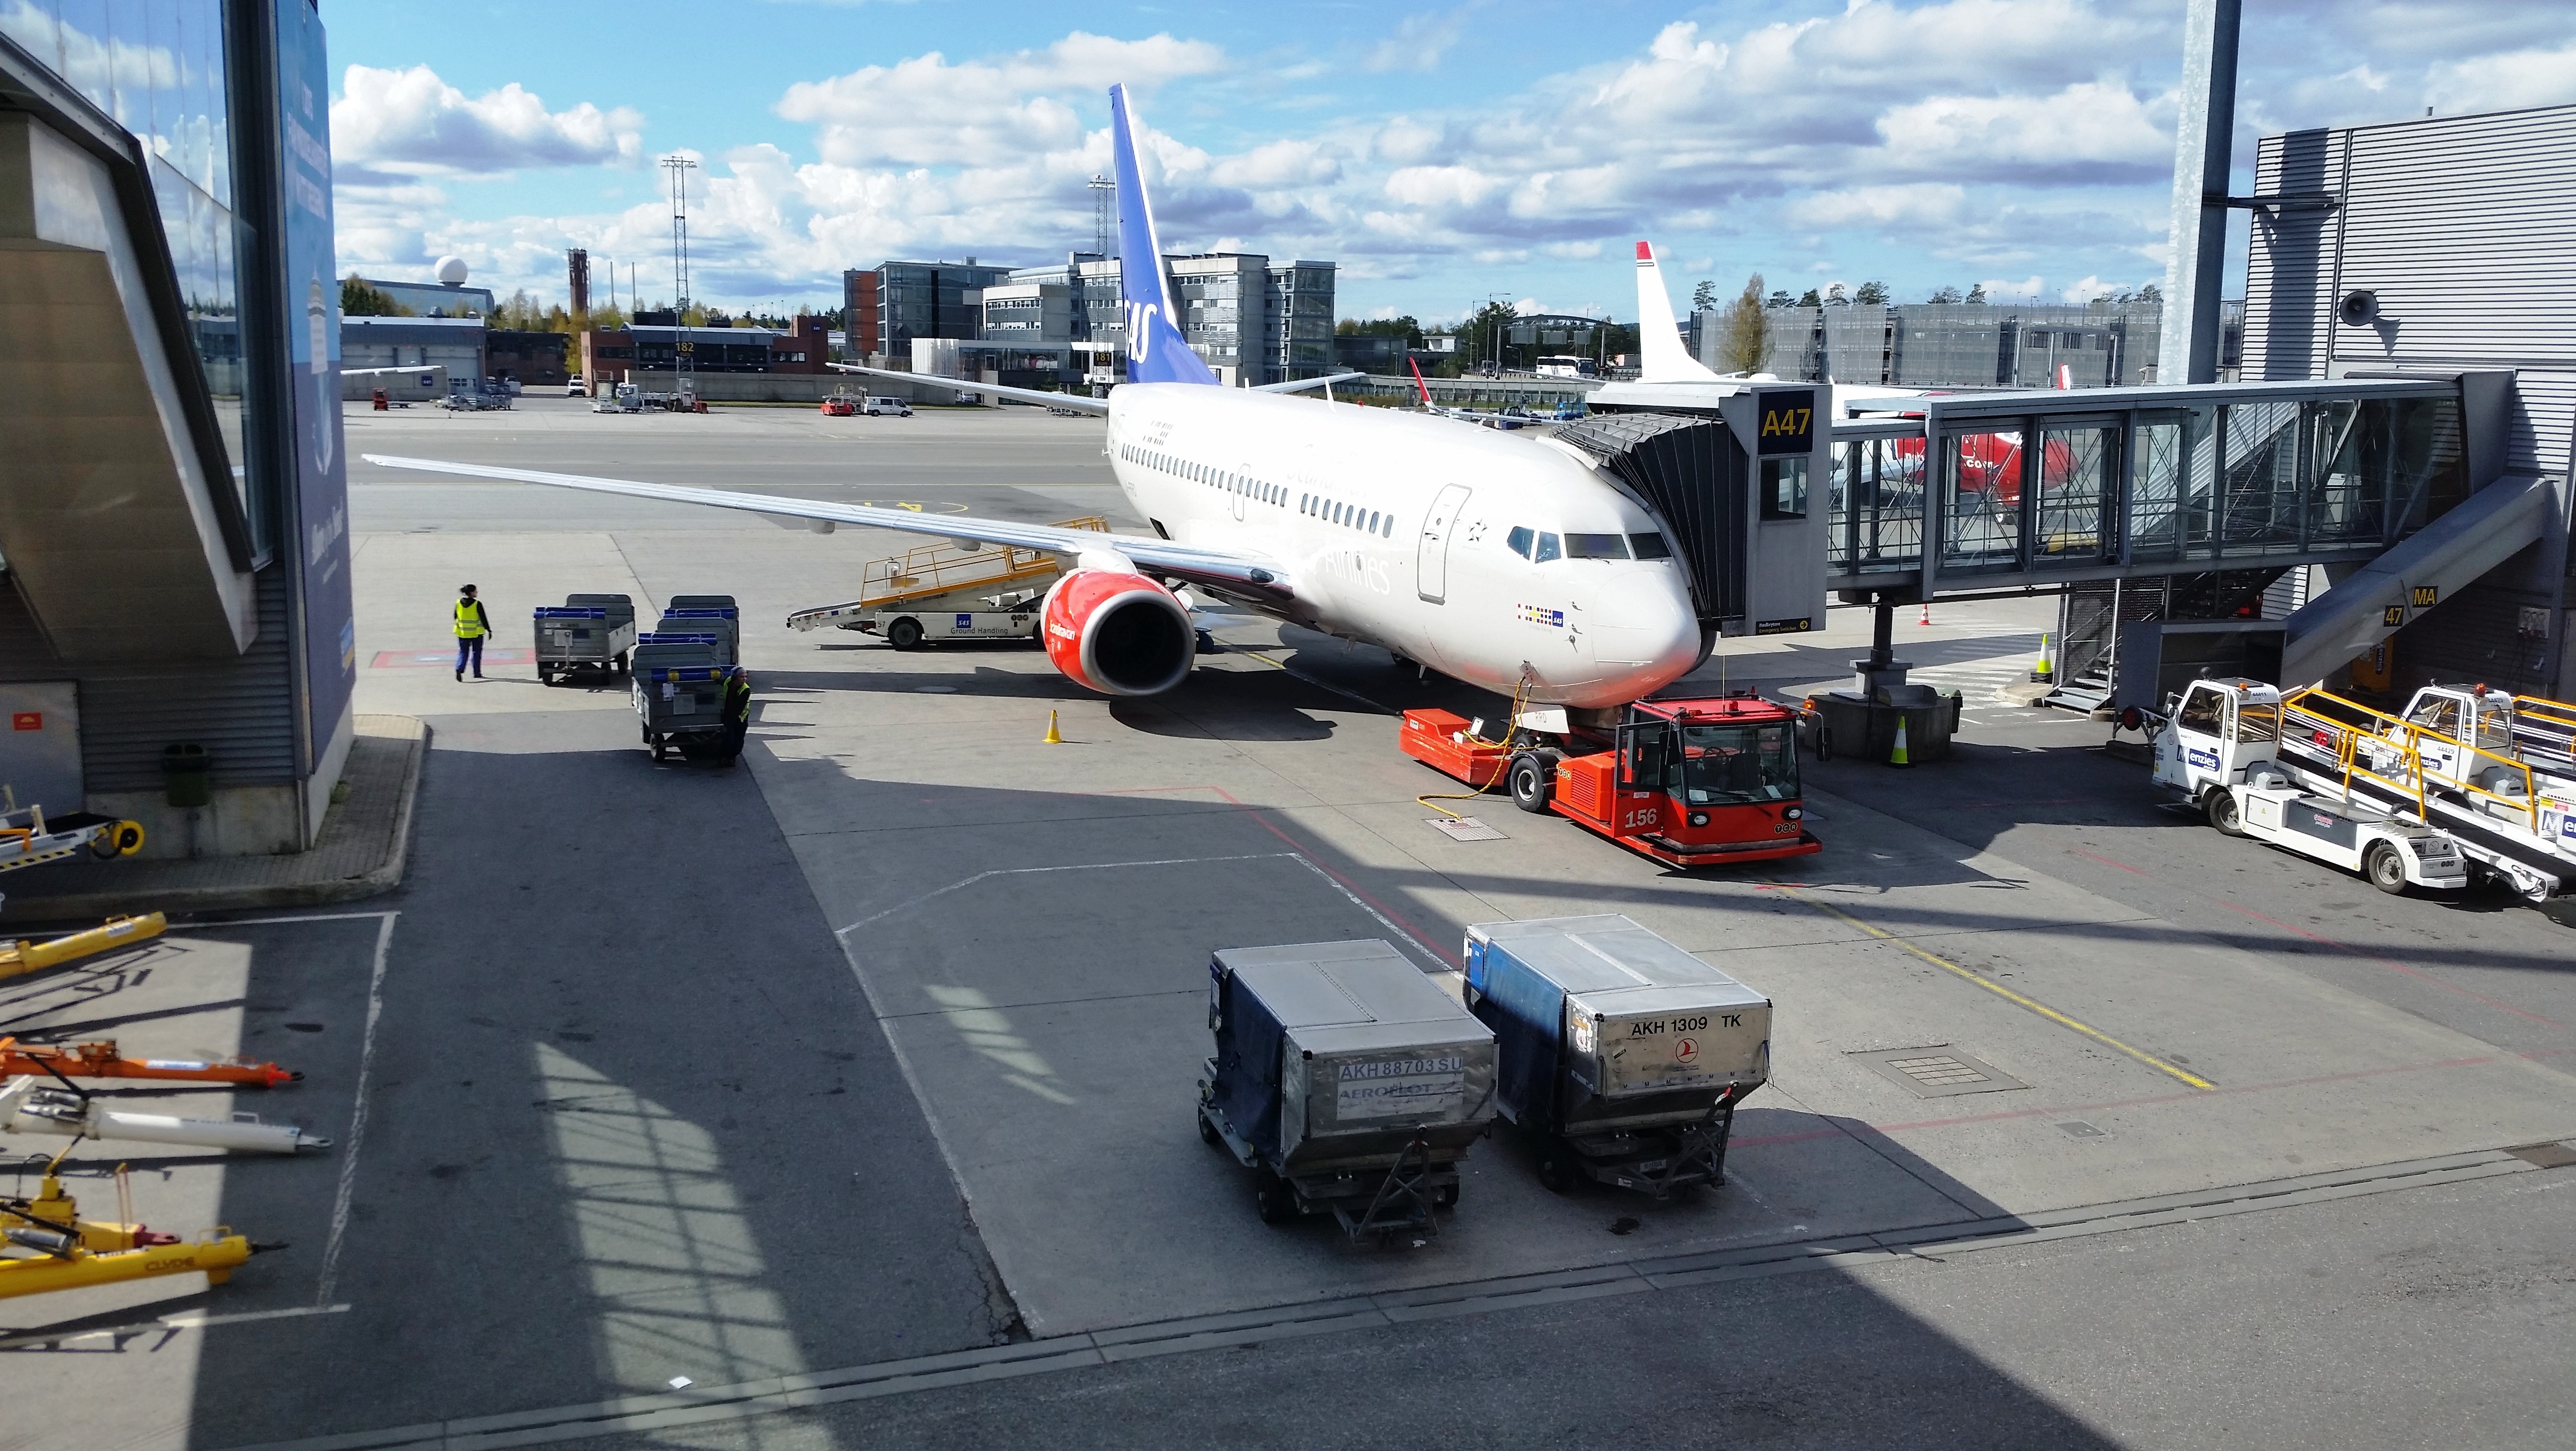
{"x":1273,"y":1199}
{"x":2222,"y":813}
{"x":2385,"y":868}
{"x":1530,"y":779}
{"x":1207,"y":1131}
{"x":1555,"y":1171}
{"x":904,"y":634}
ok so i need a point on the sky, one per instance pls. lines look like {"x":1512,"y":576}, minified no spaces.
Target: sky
{"x":1442,"y":155}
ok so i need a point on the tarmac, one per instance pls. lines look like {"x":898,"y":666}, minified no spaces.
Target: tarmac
{"x":853,"y":1086}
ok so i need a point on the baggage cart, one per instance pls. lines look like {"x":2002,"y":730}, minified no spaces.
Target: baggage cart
{"x":1623,"y":1055}
{"x":679,"y":689}
{"x":705,"y":615}
{"x":1346,"y":1080}
{"x":585,"y":632}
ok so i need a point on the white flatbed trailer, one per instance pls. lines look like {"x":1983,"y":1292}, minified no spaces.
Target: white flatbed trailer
{"x":909,"y":627}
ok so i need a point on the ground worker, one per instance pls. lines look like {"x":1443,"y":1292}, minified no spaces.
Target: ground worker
{"x":472,"y":624}
{"x":737,"y":711}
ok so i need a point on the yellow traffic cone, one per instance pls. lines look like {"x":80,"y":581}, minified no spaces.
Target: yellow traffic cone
{"x":1052,"y":737}
{"x":1897,"y":757}
{"x":2041,"y":671}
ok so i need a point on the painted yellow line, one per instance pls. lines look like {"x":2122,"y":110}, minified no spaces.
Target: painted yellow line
{"x":1999,"y":990}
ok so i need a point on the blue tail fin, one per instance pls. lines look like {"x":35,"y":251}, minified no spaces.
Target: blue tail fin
{"x":1155,"y":351}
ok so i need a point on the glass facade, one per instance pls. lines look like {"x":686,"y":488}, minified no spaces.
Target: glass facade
{"x":158,"y":68}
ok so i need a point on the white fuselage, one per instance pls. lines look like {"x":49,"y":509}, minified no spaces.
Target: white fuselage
{"x":1456,"y":547}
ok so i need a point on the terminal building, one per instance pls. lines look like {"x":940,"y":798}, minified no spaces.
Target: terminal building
{"x":174,"y":528}
{"x":1933,"y":344}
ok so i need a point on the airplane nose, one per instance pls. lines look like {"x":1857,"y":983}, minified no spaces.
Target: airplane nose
{"x":1642,"y":624}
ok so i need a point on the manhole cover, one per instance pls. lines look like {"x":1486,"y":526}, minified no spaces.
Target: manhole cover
{"x":1465,"y":828}
{"x":2546,"y":1156}
{"x":1938,"y":1071}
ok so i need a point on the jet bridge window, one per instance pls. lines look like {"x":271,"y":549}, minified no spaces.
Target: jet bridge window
{"x":1784,"y":488}
{"x":1595,"y":546}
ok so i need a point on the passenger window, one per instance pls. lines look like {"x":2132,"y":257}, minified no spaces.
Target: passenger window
{"x":1650,"y":546}
{"x":1372,"y":521}
{"x":1548,"y":549}
{"x":2200,"y":712}
{"x":1595,"y":546}
{"x":1519,"y":540}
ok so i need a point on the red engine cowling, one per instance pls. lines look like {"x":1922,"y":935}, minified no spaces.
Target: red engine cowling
{"x":1117,"y":633}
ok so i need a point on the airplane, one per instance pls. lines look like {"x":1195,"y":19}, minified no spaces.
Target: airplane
{"x":1462,"y":415}
{"x":1507,"y":562}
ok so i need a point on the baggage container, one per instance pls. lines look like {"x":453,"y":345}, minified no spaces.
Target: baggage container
{"x":1624,"y":1055}
{"x":678,"y":688}
{"x":722,"y":622}
{"x":585,"y":632}
{"x":1346,"y":1080}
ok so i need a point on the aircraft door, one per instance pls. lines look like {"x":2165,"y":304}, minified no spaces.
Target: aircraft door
{"x":1431,"y":560}
{"x":1234,"y":485}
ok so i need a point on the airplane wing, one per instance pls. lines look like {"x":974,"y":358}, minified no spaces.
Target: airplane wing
{"x":1074,"y":402}
{"x":393,"y":372}
{"x":1300,"y":385}
{"x":1252,"y":578}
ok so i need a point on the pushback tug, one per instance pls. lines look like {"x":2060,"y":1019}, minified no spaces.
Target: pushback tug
{"x":1704,"y":782}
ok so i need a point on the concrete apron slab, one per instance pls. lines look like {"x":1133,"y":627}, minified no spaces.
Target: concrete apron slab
{"x":1032,"y":925}
{"x":405,"y":597}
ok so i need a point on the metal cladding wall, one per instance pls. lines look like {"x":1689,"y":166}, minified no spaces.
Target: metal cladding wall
{"x":2459,"y":227}
{"x":236,"y":709}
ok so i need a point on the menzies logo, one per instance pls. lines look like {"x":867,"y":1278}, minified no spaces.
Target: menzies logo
{"x":2206,"y":760}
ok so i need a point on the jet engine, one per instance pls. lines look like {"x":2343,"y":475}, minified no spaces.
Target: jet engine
{"x":1117,"y":632}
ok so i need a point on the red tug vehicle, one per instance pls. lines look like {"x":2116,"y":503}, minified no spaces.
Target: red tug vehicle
{"x":1697,"y":783}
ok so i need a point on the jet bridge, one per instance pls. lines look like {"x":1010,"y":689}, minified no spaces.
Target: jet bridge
{"x":2184,"y":502}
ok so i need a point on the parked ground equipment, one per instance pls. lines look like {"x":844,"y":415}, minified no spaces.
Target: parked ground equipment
{"x":1346,"y":1080}
{"x":944,"y":592}
{"x":29,"y":839}
{"x":705,"y":615}
{"x":1623,"y":1055}
{"x":841,"y":405}
{"x":590,"y":632}
{"x":2397,"y":797}
{"x":687,"y":697}
{"x":49,"y":1247}
{"x":17,"y":959}
{"x":100,"y":1060}
{"x":1704,"y":782}
{"x":886,"y":407}
{"x":27,"y":1106}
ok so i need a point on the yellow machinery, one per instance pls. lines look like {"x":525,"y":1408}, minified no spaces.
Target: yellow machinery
{"x":19,"y":958}
{"x":59,"y":1250}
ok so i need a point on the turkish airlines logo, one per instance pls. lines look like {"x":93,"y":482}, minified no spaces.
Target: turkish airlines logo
{"x":1686,"y":1051}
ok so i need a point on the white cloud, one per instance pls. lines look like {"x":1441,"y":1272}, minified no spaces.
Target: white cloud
{"x":1421,"y":40}
{"x":1881,"y":207}
{"x":2504,"y":82}
{"x":926,"y":112}
{"x":2089,"y":289}
{"x":409,"y":122}
{"x":1999,"y":288}
{"x":2091,"y":122}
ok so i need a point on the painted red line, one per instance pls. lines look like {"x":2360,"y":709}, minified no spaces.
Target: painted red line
{"x":1354,"y":888}
{"x":2147,"y":1102}
{"x":2321,"y":938}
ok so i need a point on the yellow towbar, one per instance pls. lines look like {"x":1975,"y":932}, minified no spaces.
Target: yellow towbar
{"x":216,"y":1258}
{"x":19,"y":958}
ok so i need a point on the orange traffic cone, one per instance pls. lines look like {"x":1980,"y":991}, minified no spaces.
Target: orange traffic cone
{"x":1927,"y":614}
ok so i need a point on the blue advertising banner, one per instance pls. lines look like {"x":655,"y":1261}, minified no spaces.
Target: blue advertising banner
{"x":312,"y":296}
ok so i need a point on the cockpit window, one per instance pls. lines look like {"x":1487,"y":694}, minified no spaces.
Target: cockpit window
{"x":1548,"y":549}
{"x":1650,"y":546}
{"x":1595,"y":546}
{"x":1519,"y":540}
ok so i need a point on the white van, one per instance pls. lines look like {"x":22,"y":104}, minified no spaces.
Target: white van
{"x":895,"y":406}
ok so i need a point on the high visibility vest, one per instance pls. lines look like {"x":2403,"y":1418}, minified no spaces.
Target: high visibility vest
{"x":469,"y":619}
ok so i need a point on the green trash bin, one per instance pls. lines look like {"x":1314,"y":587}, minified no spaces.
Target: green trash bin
{"x":187,"y":775}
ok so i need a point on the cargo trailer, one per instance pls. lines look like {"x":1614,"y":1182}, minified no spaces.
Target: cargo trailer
{"x":1623,"y":1055}
{"x":1346,"y":1080}
{"x":585,"y":632}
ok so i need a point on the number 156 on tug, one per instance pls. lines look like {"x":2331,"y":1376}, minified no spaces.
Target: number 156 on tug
{"x":1697,"y":783}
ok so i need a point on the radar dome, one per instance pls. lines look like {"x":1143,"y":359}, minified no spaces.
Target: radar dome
{"x":451,"y":271}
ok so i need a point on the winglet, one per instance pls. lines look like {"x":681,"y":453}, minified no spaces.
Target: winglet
{"x":1659,"y":340}
{"x":1155,"y":350}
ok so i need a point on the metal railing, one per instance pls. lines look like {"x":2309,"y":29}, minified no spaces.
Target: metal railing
{"x":938,"y":569}
{"x":2393,"y":749}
